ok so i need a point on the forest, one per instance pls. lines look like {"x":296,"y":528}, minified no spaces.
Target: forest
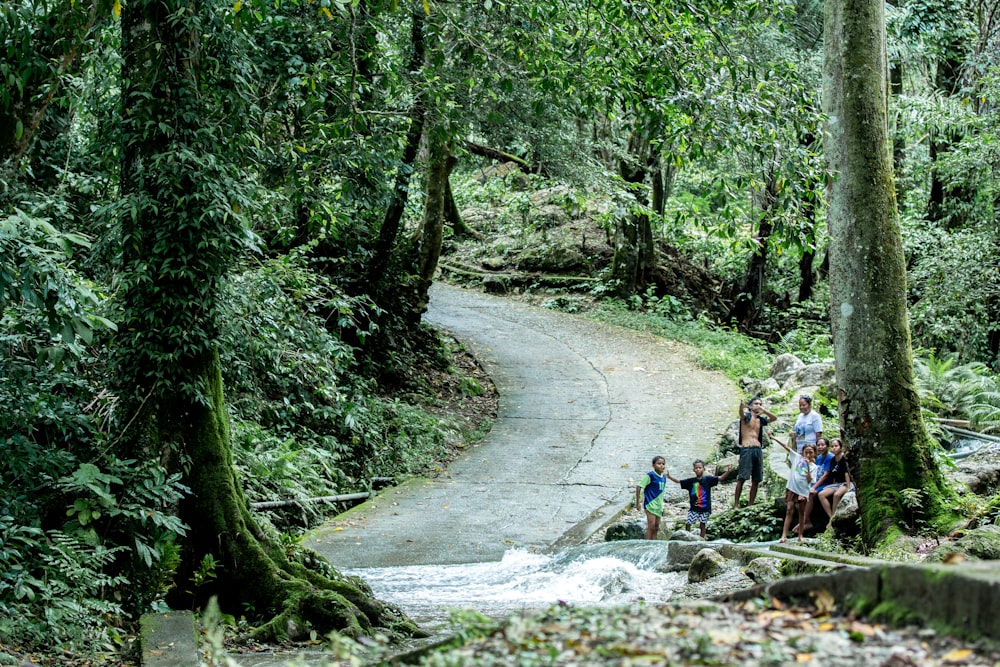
{"x":219,"y":222}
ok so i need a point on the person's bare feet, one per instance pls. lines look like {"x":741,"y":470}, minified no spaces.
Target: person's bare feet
{"x":801,"y":540}
{"x":783,"y":539}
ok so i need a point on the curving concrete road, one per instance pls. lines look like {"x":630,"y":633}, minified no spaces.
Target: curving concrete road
{"x":583,"y":408}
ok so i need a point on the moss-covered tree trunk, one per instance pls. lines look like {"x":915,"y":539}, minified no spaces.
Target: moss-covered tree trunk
{"x":427,"y":246}
{"x":749,"y":299}
{"x":391,"y":222}
{"x":634,"y":253}
{"x":179,"y":238}
{"x":879,"y":406}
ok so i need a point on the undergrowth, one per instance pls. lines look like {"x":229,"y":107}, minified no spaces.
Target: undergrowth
{"x":715,"y":347}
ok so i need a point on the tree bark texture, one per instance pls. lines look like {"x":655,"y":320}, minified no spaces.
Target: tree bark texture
{"x":880,"y":416}
{"x":178,"y":242}
{"x":428,"y":245}
{"x":389,"y":230}
{"x":748,"y":301}
{"x":635,"y":254}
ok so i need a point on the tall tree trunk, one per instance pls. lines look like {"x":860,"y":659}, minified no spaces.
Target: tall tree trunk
{"x":807,"y":276}
{"x":179,"y":238}
{"x":389,"y":231}
{"x":453,"y":216}
{"x":879,"y":407}
{"x":898,"y":136}
{"x":747,"y":305}
{"x":431,"y":233}
{"x":658,"y":176}
{"x":634,"y":253}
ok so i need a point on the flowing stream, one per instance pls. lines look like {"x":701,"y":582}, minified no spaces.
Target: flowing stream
{"x":609,"y":574}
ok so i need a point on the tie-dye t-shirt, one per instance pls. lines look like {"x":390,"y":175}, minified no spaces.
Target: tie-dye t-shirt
{"x":798,"y":482}
{"x":700,"y":491}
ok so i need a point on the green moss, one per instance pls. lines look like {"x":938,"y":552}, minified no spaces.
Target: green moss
{"x":895,"y":613}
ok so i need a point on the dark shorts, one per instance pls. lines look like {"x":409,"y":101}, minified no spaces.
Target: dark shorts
{"x":751,"y":464}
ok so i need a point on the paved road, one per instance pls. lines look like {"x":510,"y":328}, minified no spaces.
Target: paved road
{"x":583,"y":408}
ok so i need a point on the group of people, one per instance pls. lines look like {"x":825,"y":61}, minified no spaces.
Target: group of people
{"x":817,"y":472}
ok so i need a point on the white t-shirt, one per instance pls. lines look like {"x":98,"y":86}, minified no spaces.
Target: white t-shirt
{"x":806,"y":428}
{"x":797,"y":482}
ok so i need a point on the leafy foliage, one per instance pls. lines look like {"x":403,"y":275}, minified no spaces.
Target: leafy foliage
{"x":759,"y":522}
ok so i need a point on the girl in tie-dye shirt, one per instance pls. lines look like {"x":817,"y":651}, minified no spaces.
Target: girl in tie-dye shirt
{"x":801,"y":476}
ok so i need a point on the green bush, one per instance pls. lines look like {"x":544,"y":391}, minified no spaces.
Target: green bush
{"x":760,"y":522}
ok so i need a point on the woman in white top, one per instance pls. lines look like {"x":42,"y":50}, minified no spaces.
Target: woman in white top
{"x":808,"y":426}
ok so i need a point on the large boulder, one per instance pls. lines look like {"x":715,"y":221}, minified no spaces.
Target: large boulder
{"x":813,"y":375}
{"x":981,"y":543}
{"x":706,"y":564}
{"x":763,"y":570}
{"x":847,"y":519}
{"x":784,"y":366}
{"x":632,"y":530}
{"x":724,"y":464}
{"x":685,"y":536}
{"x":981,"y":478}
{"x":760,"y":387}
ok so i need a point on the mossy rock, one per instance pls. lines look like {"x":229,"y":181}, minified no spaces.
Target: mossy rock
{"x":764,"y":570}
{"x":981,"y":543}
{"x":706,"y":564}
{"x":634,"y":530}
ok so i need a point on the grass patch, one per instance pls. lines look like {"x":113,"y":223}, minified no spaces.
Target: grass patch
{"x":716,"y":348}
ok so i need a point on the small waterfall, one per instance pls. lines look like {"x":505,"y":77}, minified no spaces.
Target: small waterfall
{"x":605,"y":574}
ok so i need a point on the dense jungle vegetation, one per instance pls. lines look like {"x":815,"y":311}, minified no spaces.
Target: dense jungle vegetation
{"x":219,"y":222}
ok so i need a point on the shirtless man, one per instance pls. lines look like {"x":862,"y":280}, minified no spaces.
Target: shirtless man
{"x":753,"y":419}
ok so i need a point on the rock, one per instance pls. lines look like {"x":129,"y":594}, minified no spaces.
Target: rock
{"x":763,"y":570}
{"x":847,"y":518}
{"x":784,"y":366}
{"x":706,"y":564}
{"x":680,"y":553}
{"x":495,"y":285}
{"x":497,"y":171}
{"x":722,"y":465}
{"x":813,"y":375}
{"x":685,"y":536}
{"x":981,"y":543}
{"x":981,"y":479}
{"x":760,"y":387}
{"x":551,"y":260}
{"x":633,"y":530}
{"x":7,"y":659}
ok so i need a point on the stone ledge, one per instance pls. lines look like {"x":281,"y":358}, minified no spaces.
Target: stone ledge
{"x":959,"y":599}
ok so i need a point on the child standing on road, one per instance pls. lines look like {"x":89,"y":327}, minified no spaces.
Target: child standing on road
{"x":649,"y":495}
{"x":699,"y":490}
{"x":801,"y":475}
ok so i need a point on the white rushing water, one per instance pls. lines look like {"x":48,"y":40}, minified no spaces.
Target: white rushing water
{"x":597,"y":575}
